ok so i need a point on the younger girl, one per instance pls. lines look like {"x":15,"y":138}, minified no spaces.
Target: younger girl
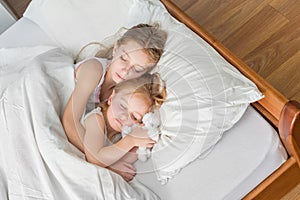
{"x":134,"y":54}
{"x":129,"y":102}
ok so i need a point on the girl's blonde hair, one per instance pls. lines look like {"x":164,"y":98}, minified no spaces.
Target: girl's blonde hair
{"x":150,"y":37}
{"x":148,"y":84}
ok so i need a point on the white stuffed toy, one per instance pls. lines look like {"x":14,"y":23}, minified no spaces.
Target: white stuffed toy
{"x":151,"y":123}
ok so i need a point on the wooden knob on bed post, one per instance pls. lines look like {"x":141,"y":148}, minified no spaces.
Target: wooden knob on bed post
{"x":289,"y":128}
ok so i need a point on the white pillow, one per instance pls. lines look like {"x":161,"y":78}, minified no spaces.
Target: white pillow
{"x":206,"y":94}
{"x":74,"y":23}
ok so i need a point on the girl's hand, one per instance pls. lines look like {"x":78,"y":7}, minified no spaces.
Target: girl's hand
{"x":124,"y":169}
{"x":140,"y":138}
{"x":130,"y":156}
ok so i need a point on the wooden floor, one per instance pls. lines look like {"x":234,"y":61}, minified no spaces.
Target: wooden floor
{"x":17,"y":7}
{"x":265,"y":34}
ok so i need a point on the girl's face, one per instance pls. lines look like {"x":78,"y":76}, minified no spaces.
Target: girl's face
{"x":129,"y":61}
{"x":127,"y":109}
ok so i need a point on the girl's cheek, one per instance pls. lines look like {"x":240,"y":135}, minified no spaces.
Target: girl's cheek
{"x":117,"y":65}
{"x":117,"y":111}
{"x":114,"y":111}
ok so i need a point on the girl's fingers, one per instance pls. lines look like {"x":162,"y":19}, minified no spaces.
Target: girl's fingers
{"x":130,"y":168}
{"x":141,"y":125}
{"x":153,"y":141}
{"x":149,"y":145}
{"x":128,"y":177}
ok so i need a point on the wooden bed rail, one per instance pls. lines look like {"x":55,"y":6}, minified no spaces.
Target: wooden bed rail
{"x":289,"y":128}
{"x":273,"y":102}
{"x":278,"y":183}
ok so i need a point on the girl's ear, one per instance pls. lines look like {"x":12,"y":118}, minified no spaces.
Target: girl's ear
{"x":110,"y":97}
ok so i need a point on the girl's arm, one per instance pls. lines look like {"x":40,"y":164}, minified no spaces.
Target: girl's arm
{"x":131,"y":157}
{"x":105,"y":156}
{"x":88,"y":77}
{"x":124,"y":169}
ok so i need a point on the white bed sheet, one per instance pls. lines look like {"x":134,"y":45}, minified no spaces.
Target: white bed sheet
{"x":24,"y":33}
{"x":246,"y":155}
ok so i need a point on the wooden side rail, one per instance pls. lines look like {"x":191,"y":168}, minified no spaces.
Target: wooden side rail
{"x":289,"y":128}
{"x":278,"y":183}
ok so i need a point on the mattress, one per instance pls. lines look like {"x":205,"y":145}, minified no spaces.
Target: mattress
{"x":246,"y":155}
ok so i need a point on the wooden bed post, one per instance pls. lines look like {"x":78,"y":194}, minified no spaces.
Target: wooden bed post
{"x":289,"y":128}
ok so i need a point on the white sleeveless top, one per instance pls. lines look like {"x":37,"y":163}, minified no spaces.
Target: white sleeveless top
{"x":94,"y":97}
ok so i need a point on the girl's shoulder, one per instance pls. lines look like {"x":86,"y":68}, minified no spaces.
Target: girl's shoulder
{"x":90,"y":63}
{"x":95,"y":114}
{"x":97,"y":60}
{"x":91,"y":67}
{"x":89,"y":70}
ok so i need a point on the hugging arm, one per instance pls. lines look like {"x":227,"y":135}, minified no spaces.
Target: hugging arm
{"x":124,"y":169}
{"x":88,"y":78}
{"x":93,"y":143}
{"x":117,"y":157}
{"x":131,"y":156}
{"x":124,"y":166}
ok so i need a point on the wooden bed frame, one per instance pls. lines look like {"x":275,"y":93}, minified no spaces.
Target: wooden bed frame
{"x":282,"y":113}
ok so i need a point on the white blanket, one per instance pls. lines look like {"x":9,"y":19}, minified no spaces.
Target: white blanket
{"x":36,"y":159}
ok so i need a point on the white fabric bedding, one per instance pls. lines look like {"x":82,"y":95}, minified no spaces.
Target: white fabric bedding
{"x":24,"y":33}
{"x":247,"y":154}
{"x":37,"y":161}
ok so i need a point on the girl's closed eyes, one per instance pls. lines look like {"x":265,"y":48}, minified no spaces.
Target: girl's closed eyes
{"x":136,"y":68}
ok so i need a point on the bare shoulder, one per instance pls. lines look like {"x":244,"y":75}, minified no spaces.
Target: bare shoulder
{"x":95,"y":120}
{"x":91,"y":67}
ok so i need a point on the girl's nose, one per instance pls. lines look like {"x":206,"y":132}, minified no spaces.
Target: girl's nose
{"x":126,"y":68}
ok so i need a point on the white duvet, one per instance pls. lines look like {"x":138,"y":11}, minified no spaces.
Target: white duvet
{"x":36,"y":159}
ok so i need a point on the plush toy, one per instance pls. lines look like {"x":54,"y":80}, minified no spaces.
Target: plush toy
{"x":151,"y":123}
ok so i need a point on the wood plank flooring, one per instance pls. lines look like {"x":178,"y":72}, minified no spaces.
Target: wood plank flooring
{"x":265,"y":34}
{"x":17,"y":7}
